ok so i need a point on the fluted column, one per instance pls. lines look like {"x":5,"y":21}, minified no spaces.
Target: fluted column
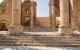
{"x":74,"y":14}
{"x":53,"y":14}
{"x":34,"y":14}
{"x":15,"y":26}
{"x":32,"y":17}
{"x":50,"y":13}
{"x":64,"y":27}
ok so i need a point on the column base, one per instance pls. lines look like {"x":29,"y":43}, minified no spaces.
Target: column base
{"x":65,"y":31}
{"x":75,"y":28}
{"x":14,"y":30}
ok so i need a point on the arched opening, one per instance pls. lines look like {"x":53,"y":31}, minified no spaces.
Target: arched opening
{"x":25,"y":13}
{"x":3,"y":27}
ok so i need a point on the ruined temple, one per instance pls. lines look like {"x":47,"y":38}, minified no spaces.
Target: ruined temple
{"x":58,"y":29}
{"x":18,"y":14}
{"x":68,"y":11}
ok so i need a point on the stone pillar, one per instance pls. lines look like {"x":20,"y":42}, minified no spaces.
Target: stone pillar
{"x":35,"y":13}
{"x":32,"y":17}
{"x":50,"y":13}
{"x":15,"y":26}
{"x":53,"y":14}
{"x":74,"y":14}
{"x":64,"y":28}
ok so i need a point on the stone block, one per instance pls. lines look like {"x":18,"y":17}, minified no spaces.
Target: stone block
{"x":14,"y":30}
{"x":65,"y":31}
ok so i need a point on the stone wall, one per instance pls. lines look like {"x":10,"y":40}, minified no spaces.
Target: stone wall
{"x":5,"y":12}
{"x":45,"y":21}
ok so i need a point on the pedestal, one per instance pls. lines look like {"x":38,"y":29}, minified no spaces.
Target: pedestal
{"x":65,"y":30}
{"x":14,"y":30}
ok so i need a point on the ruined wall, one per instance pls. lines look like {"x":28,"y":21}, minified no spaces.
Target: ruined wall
{"x":6,"y":12}
{"x":45,"y":21}
{"x":26,"y":12}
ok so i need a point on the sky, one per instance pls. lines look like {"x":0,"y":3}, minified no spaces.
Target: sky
{"x":42,"y":8}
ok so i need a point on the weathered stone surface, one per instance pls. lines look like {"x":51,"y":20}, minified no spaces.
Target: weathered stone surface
{"x":64,"y":27}
{"x":14,"y":30}
{"x":35,"y":48}
{"x":15,"y":26}
{"x":28,"y":13}
{"x":6,"y":12}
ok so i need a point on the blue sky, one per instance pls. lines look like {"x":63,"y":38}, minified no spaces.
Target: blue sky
{"x":42,"y":8}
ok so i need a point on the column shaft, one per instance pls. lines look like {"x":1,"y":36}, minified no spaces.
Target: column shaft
{"x":15,"y":26}
{"x":53,"y":14}
{"x":50,"y":14}
{"x":74,"y":14}
{"x":32,"y":17}
{"x":64,"y":27}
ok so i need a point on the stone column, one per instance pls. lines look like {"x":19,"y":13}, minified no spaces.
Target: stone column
{"x":53,"y":14}
{"x":64,"y":28}
{"x":50,"y":13}
{"x":35,"y":12}
{"x":32,"y":17}
{"x":16,"y":27}
{"x":74,"y":14}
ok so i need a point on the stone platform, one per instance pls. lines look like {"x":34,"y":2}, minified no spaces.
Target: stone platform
{"x":45,"y":39}
{"x":40,"y":40}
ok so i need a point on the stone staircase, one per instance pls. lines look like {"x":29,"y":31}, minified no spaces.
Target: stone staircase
{"x":40,"y":40}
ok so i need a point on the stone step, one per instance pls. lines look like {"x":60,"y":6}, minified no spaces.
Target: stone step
{"x":39,"y":36}
{"x":67,"y":42}
{"x":9,"y":44}
{"x":34,"y":40}
{"x":41,"y":44}
{"x":39,"y":41}
{"x":45,"y":38}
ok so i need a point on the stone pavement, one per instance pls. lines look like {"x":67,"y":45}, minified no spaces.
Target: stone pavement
{"x":35,"y":48}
